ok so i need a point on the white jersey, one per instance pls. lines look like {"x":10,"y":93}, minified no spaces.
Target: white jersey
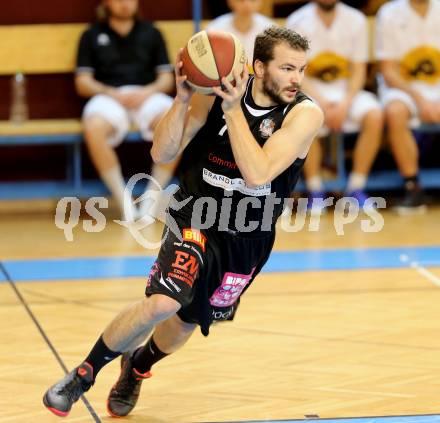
{"x":413,"y":41}
{"x":226,"y":23}
{"x":333,"y":48}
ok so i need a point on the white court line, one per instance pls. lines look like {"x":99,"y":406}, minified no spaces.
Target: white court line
{"x":429,"y":263}
{"x":420,"y":269}
{"x":355,"y":391}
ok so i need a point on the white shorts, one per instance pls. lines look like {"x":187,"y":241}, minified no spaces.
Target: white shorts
{"x":362,"y":103}
{"x":121,"y":118}
{"x":387,"y":95}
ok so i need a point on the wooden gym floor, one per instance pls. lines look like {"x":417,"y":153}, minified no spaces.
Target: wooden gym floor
{"x":336,"y":326}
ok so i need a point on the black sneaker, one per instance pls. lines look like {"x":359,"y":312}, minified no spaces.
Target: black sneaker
{"x":125,"y":393}
{"x":413,"y":203}
{"x":60,"y":397}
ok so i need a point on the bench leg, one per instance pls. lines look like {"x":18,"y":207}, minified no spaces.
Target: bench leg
{"x":77,"y":167}
{"x":340,"y":161}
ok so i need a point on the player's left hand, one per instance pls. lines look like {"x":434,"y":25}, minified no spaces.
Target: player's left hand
{"x":232,"y":93}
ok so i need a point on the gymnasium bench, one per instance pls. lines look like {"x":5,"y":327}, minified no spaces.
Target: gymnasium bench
{"x":51,"y":49}
{"x":378,"y":180}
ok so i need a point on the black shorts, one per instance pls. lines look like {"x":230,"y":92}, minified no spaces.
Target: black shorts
{"x":208,"y":270}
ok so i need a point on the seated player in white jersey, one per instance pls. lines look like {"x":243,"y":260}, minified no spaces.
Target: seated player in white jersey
{"x":244,"y":22}
{"x":408,"y":48}
{"x":335,"y":78}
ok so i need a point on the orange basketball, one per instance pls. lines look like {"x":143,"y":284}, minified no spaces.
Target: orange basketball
{"x":210,"y":56}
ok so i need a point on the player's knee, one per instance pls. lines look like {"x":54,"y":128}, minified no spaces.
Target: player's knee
{"x":396,"y":113}
{"x":159,"y":307}
{"x":94,"y":125}
{"x":375,"y":118}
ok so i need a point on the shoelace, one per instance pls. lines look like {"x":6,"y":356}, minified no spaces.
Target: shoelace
{"x":73,"y":389}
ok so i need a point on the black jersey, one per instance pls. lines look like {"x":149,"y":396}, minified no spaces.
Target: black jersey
{"x":118,"y":60}
{"x":208,"y":167}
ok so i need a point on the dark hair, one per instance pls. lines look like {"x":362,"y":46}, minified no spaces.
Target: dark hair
{"x":271,"y":37}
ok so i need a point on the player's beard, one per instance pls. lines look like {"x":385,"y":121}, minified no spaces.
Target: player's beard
{"x":273,"y":90}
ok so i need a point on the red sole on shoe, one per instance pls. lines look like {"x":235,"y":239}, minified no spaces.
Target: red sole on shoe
{"x":54,"y":410}
{"x":58,"y":412}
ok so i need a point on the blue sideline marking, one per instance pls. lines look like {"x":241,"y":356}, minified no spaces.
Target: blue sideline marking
{"x":396,"y":419}
{"x":79,"y":268}
{"x":292,"y":261}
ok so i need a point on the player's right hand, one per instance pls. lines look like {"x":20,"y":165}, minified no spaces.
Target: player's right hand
{"x":336,"y":115}
{"x":183,"y":91}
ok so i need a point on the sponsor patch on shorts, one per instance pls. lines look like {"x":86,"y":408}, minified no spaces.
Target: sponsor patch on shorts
{"x":231,"y":288}
{"x":184,"y":268}
{"x":194,"y":236}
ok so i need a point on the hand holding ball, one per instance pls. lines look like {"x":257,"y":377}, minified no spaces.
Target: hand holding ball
{"x":210,"y":56}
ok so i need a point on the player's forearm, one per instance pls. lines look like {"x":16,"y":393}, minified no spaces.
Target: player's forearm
{"x":168,"y":134}
{"x":249,"y":156}
{"x":356,"y":81}
{"x":164,"y":83}
{"x":89,"y":87}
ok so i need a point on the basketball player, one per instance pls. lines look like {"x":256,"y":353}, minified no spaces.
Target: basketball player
{"x":245,"y":145}
{"x":335,"y":78}
{"x":408,"y":48}
{"x":123,"y":67}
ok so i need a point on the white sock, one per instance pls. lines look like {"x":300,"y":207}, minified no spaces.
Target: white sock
{"x":356,"y":181}
{"x":315,"y":184}
{"x":156,"y":200}
{"x":154,"y":204}
{"x":162,"y":175}
{"x":114,"y":181}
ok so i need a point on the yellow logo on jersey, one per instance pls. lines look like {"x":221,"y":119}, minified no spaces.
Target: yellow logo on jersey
{"x":422,"y":64}
{"x":328,"y":67}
